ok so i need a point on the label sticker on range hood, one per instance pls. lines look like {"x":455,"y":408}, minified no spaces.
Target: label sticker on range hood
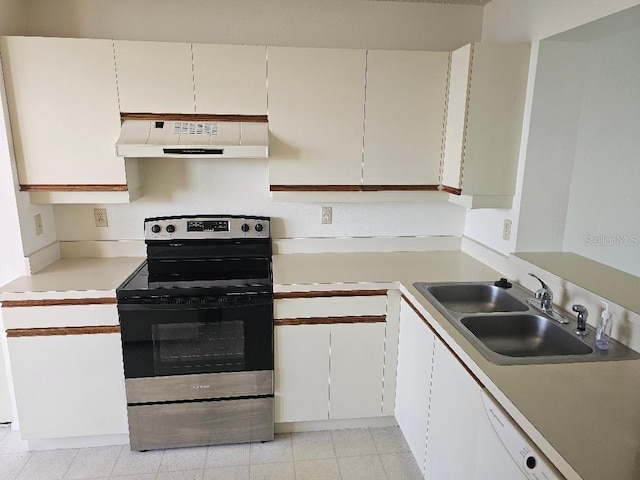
{"x":197,"y":139}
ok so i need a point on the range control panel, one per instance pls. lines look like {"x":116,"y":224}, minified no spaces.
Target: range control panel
{"x":202,"y":227}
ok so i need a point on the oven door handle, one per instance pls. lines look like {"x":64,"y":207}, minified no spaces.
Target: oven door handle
{"x":257,"y":302}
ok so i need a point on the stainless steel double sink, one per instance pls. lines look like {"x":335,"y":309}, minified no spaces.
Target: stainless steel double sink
{"x":506,"y":330}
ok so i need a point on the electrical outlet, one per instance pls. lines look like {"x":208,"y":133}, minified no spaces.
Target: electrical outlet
{"x":100,"y":215}
{"x":327,"y":215}
{"x":38,"y":221}
{"x":506,"y":230}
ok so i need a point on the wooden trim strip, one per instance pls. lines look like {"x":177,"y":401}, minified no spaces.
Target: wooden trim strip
{"x":278,"y":322}
{"x":73,"y":188}
{"x":454,"y":191}
{"x":315,"y":188}
{"x":58,"y":301}
{"x":58,"y":331}
{"x":424,"y":320}
{"x":354,"y":188}
{"x":330,"y":293}
{"x":194,"y":117}
{"x":400,"y":188}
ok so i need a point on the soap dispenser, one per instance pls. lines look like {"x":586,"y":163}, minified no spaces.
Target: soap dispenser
{"x":603,"y":328}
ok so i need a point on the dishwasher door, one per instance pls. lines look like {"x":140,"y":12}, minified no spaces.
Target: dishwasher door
{"x":504,"y":451}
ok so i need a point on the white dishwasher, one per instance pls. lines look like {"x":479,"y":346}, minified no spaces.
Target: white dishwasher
{"x":504,"y":452}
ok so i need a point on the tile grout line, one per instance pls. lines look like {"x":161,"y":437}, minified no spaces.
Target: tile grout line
{"x":116,"y":462}
{"x":70,"y":463}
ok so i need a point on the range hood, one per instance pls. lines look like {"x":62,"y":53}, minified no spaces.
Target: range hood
{"x":188,"y":136}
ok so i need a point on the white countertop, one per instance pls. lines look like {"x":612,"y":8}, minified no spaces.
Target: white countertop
{"x":73,"y":278}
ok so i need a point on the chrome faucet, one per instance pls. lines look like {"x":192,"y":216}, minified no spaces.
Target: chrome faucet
{"x":545,"y":295}
{"x":581,"y":328}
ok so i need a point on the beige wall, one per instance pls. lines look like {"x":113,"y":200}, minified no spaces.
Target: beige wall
{"x":12,"y":17}
{"x":315,"y":23}
{"x":531,"y":20}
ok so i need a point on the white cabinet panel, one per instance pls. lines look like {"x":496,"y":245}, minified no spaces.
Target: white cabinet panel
{"x":330,"y":306}
{"x":301,"y":373}
{"x":316,"y":116}
{"x":357,"y":368}
{"x":69,"y":385}
{"x":415,"y":355}
{"x":484,"y":122}
{"x":60,"y":316}
{"x":63,"y":107}
{"x":454,"y":418}
{"x":154,"y":77}
{"x":404,"y":117}
{"x":455,"y":121}
{"x":230,"y":79}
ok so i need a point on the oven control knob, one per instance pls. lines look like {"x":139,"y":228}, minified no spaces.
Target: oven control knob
{"x":245,"y":227}
{"x":171,"y":228}
{"x":258,"y":227}
{"x":156,"y":229}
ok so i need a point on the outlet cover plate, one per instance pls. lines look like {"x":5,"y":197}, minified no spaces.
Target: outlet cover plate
{"x":100,"y":216}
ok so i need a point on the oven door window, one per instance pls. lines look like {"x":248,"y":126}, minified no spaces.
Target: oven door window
{"x":198,"y":347}
{"x":160,"y":340}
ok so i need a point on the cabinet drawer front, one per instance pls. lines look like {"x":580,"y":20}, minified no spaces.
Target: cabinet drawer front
{"x":59,"y":316}
{"x":330,"y":307}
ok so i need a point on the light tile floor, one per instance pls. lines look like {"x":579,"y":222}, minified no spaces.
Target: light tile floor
{"x":367,"y":453}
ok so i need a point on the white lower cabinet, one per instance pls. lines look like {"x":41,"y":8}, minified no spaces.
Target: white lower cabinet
{"x":439,"y":407}
{"x":454,"y":417}
{"x":356,"y":370}
{"x":413,"y":383}
{"x":301,"y":372}
{"x":68,"y":385}
{"x":328,"y":371}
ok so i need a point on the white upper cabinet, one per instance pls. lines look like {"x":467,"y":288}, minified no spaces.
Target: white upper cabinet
{"x":230,"y":79}
{"x":404,"y":117}
{"x":316,"y":116}
{"x":485,"y":109}
{"x":63,"y":109}
{"x":154,"y":77}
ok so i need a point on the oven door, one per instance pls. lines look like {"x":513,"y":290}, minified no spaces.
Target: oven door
{"x":179,"y":339}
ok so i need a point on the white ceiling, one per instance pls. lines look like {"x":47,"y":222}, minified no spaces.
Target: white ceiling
{"x":453,"y":2}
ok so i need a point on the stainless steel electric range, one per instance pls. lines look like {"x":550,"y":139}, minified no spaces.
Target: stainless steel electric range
{"x":197,"y":333}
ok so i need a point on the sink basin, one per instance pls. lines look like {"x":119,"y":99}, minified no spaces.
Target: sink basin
{"x":524,"y":336}
{"x":475,"y":298}
{"x":506,"y":330}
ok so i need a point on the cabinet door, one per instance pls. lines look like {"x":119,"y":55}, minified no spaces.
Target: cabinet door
{"x":456,"y":116}
{"x":454,"y":417}
{"x":404,"y":117}
{"x":63,"y":106}
{"x":316,"y":116}
{"x":415,"y":355}
{"x":230,"y":79}
{"x":357,"y":368}
{"x":69,"y":385}
{"x":301,"y":373}
{"x":494,"y":118}
{"x":154,"y":77}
